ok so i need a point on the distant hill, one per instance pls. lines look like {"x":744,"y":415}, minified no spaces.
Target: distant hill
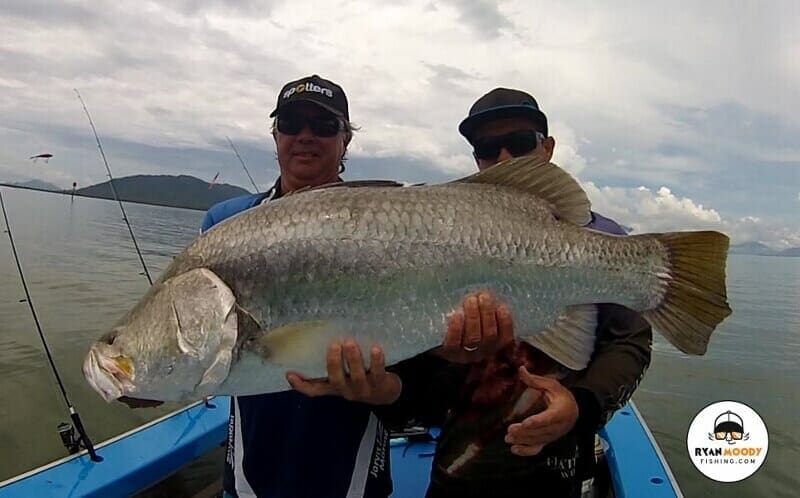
{"x":165,"y":190}
{"x":753,"y":248}
{"x":759,"y":249}
{"x":37,"y":184}
{"x":792,"y":252}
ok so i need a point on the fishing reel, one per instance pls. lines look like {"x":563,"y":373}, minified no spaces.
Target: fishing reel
{"x":69,"y":437}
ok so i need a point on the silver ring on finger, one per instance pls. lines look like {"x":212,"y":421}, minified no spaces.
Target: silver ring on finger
{"x":471,"y":349}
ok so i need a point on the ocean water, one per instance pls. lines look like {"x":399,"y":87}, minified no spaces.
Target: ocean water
{"x":83,"y":274}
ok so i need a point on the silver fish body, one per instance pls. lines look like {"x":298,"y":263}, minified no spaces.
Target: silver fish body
{"x":385,"y":266}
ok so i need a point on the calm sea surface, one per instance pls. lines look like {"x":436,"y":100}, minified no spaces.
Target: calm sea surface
{"x":83,"y":274}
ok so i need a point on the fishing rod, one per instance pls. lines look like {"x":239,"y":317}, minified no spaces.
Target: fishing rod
{"x":243,"y":166}
{"x":64,"y":430}
{"x":113,"y":188}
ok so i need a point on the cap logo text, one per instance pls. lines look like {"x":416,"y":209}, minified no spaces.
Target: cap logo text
{"x":308,"y":87}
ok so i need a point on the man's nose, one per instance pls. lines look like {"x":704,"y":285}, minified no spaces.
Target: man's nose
{"x":305,"y":133}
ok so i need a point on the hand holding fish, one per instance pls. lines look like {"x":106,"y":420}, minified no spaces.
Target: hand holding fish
{"x":375,"y":386}
{"x":528,"y":437}
{"x":477,"y":331}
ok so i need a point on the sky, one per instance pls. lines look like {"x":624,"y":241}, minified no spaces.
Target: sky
{"x":673,"y":115}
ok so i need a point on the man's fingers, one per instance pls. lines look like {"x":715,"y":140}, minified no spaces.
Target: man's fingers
{"x":541,"y":420}
{"x":537,"y":437}
{"x":357,"y":384}
{"x":524,"y":450}
{"x":505,"y":325}
{"x":538,"y":440}
{"x":352,"y":354}
{"x":488,"y":319}
{"x":537,"y":381}
{"x":309,"y":388}
{"x":472,"y":323}
{"x":336,"y":365}
{"x":455,"y":331}
{"x":377,"y":362}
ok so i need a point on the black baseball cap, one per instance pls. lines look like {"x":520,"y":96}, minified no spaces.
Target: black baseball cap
{"x":324,"y":93}
{"x":502,"y":103}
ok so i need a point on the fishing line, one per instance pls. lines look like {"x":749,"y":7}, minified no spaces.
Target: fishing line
{"x":243,"y":166}
{"x":114,"y":190}
{"x":73,"y":413}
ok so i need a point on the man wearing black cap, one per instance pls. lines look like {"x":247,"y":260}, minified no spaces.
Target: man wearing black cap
{"x":503,"y":124}
{"x":324,"y":439}
{"x":288,"y":444}
{"x":508,"y":123}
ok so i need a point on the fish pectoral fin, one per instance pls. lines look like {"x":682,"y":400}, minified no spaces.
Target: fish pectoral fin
{"x":570,"y":340}
{"x":541,"y":179}
{"x":215,"y":374}
{"x":297,"y":343}
{"x":249,"y":324}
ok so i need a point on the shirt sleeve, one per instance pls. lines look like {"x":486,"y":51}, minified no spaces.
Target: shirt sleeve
{"x":208,"y":222}
{"x":620,"y":360}
{"x":430,"y":387}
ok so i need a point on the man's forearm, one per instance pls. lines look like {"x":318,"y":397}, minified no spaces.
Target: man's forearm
{"x":621,"y":357}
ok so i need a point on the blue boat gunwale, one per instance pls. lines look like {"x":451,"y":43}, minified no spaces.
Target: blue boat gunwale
{"x":635,"y":461}
{"x":145,"y":450}
{"x":634,"y":470}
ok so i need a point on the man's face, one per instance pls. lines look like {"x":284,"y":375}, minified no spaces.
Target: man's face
{"x":305,"y":157}
{"x":520,"y":130}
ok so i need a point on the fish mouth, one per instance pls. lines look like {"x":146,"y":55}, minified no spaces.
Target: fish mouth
{"x":110,"y":376}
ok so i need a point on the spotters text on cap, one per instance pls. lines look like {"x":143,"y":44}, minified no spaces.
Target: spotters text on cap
{"x":308,"y":87}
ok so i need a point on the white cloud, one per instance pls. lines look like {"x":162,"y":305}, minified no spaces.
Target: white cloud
{"x":646,"y":211}
{"x":609,"y":79}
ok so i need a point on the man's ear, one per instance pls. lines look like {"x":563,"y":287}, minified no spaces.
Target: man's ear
{"x":549,"y":145}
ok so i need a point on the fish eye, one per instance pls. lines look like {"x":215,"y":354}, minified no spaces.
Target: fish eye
{"x":110,"y":337}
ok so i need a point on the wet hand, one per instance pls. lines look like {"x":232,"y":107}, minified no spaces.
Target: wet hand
{"x":478,"y":330}
{"x":375,"y":386}
{"x":528,"y":437}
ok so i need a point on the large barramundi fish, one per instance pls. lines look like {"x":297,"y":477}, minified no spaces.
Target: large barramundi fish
{"x":267,"y":290}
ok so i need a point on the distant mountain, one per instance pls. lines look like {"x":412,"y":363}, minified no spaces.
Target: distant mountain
{"x":759,"y":249}
{"x":39,"y":184}
{"x":753,"y":248}
{"x":792,"y":252}
{"x":165,"y":190}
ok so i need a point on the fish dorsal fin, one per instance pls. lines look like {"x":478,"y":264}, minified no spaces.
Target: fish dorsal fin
{"x":542,"y":179}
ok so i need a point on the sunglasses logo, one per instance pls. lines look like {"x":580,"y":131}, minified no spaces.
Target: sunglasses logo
{"x":729,"y":427}
{"x":308,"y":87}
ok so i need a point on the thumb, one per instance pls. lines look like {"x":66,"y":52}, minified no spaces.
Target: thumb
{"x":294,"y":379}
{"x":535,"y":381}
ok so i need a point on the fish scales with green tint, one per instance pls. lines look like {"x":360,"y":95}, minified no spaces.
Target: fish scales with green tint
{"x":267,"y":290}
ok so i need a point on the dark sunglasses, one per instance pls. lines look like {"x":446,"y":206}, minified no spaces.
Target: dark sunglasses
{"x":517,"y":143}
{"x":321,"y":126}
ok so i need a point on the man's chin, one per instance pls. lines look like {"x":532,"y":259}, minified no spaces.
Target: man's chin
{"x":311,"y":171}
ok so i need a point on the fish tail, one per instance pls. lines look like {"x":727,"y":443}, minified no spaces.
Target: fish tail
{"x":695,"y":299}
